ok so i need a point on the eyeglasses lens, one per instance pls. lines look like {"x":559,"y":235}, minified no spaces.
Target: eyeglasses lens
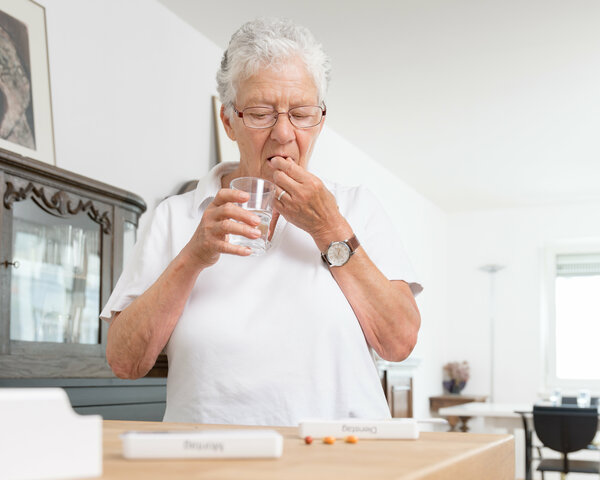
{"x":300,"y":117}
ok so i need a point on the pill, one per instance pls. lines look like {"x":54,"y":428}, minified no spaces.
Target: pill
{"x":308,"y":440}
{"x":351,"y":439}
{"x":329,"y":440}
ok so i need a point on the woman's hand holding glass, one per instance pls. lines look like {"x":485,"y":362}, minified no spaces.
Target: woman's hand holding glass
{"x":221,"y":218}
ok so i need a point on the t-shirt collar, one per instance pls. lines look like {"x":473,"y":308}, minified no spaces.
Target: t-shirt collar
{"x":208,"y":186}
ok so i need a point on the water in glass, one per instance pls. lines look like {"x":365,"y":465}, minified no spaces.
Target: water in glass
{"x":257,"y":245}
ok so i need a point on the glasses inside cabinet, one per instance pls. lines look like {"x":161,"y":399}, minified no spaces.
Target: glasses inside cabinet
{"x":55,"y":291}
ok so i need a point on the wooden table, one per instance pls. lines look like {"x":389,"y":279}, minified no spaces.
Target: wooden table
{"x":498,"y":416}
{"x":450,"y":400}
{"x":434,"y":456}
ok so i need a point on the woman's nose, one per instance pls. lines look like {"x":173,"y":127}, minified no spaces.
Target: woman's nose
{"x":283,"y":130}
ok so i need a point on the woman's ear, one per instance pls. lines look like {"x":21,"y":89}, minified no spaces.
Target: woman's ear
{"x":227,"y":123}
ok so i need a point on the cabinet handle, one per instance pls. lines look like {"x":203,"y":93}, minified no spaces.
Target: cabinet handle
{"x":7,"y":264}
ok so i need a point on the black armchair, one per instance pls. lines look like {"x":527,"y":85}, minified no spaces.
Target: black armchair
{"x":566,"y":429}
{"x":573,"y":401}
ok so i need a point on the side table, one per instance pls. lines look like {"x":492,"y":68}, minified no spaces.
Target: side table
{"x":451,"y":399}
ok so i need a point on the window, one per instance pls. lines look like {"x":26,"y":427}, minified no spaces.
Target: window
{"x":573,"y":317}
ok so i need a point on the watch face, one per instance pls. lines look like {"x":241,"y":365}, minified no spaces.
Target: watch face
{"x":338,"y":253}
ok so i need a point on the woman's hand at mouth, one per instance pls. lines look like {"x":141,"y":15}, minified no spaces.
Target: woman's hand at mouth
{"x":304,"y":201}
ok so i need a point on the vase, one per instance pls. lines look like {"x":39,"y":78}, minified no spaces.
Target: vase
{"x":453,"y":386}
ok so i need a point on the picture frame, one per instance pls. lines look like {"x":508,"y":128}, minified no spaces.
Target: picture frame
{"x":227,"y":150}
{"x":26,"y":126}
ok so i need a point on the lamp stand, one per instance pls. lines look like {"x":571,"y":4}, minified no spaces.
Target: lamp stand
{"x":492,"y":269}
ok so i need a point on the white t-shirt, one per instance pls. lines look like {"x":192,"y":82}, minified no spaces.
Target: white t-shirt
{"x":266,"y":340}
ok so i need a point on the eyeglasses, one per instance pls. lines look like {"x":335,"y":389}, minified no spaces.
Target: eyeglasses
{"x":265,"y":117}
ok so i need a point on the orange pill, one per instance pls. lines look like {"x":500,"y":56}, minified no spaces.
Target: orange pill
{"x":308,"y":440}
{"x":329,"y":440}
{"x":351,"y":439}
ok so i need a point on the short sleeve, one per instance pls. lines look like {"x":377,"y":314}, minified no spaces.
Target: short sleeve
{"x":378,"y":236}
{"x":148,"y":260}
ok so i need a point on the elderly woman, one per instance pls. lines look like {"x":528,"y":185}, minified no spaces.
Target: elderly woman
{"x":271,"y":339}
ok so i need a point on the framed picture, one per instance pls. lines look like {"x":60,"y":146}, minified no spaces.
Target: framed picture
{"x":227,"y":150}
{"x":25,"y":103}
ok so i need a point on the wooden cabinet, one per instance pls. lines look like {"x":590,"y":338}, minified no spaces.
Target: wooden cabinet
{"x":63,"y":241}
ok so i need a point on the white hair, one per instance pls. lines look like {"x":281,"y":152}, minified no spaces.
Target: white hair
{"x":269,"y":43}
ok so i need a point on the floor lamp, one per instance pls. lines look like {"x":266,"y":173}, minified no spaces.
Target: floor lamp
{"x":492,"y":269}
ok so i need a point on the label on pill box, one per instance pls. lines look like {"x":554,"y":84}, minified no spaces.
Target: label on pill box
{"x":213,"y":443}
{"x":400,"y":428}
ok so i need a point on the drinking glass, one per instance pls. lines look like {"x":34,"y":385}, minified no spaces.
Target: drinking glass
{"x":260,"y":203}
{"x":584,"y":398}
{"x":556,"y":397}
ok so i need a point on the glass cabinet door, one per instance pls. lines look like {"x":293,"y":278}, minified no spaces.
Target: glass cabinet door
{"x":55,"y":290}
{"x":129,"y":238}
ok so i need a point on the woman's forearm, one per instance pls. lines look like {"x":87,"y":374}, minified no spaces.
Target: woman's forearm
{"x":139,"y":333}
{"x":386,"y":310}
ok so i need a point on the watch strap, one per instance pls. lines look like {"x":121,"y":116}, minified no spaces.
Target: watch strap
{"x":353,"y":243}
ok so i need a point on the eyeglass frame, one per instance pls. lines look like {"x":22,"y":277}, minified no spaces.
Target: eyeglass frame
{"x":240,"y":114}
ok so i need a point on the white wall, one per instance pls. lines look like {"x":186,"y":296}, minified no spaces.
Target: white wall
{"x":131,"y":88}
{"x":516,"y":239}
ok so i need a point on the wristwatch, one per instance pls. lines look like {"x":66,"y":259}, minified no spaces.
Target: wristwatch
{"x":338,"y":253}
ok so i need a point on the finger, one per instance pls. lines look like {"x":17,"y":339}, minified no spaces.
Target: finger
{"x":227,"y":195}
{"x":231,"y":227}
{"x":286,"y":183}
{"x":231,"y":210}
{"x":281,"y":193}
{"x":231,"y":249}
{"x":278,"y":204}
{"x":290,"y":168}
